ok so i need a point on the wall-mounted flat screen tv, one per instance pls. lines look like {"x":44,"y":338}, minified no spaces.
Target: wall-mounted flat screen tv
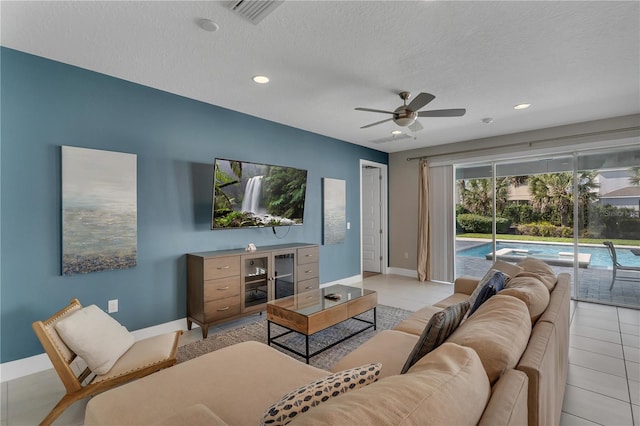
{"x":251,"y":195}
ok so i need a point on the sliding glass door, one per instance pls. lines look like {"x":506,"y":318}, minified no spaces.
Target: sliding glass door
{"x":560,"y":209}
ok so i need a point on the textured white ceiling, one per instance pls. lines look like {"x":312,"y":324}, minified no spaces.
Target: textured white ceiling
{"x":574,"y":61}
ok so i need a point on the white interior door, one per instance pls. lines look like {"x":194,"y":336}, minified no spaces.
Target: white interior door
{"x":371,"y":220}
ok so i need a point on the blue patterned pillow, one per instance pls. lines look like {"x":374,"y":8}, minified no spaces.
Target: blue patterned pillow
{"x":494,"y":284}
{"x":437,"y":330}
{"x":305,"y":397}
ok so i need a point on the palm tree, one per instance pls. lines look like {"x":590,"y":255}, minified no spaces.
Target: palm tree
{"x":635,"y":176}
{"x":476,"y":195}
{"x":553,"y":192}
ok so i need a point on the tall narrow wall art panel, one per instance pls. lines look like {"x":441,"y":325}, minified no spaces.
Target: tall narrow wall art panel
{"x":334,"y":216}
{"x":99,"y":210}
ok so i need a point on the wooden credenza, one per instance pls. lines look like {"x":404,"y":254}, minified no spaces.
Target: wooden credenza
{"x":227,"y":284}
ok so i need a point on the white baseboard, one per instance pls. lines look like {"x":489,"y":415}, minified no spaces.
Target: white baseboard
{"x":346,"y":281}
{"x":412,"y":273}
{"x":34,"y":364}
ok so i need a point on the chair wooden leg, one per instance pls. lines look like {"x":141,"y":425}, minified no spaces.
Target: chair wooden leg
{"x":62,"y":405}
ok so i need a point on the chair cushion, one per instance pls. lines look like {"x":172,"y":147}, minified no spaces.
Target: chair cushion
{"x":95,"y":337}
{"x":144,"y":353}
{"x":304,"y":398}
{"x":498,"y":331}
{"x":532,"y":292}
{"x":438,"y":329}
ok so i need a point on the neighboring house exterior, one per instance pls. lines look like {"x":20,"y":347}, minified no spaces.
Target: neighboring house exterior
{"x":616,"y":190}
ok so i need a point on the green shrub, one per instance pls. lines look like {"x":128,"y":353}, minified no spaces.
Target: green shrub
{"x":545,"y":229}
{"x":476,"y":224}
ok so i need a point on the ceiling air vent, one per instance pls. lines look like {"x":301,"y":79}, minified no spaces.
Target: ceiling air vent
{"x":254,"y":10}
{"x":391,"y":138}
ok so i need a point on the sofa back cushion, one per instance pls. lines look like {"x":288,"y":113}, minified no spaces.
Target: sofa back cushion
{"x":539,"y":269}
{"x":532,"y":292}
{"x":447,"y":386}
{"x":498,"y":331}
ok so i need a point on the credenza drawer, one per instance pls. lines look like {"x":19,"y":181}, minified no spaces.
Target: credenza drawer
{"x":308,"y":271}
{"x":307,"y":285}
{"x":308,"y":255}
{"x":220,"y":267}
{"x":221,"y":288}
{"x":222,"y":308}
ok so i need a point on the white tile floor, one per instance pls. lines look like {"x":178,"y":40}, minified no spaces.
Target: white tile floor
{"x":603,"y":386}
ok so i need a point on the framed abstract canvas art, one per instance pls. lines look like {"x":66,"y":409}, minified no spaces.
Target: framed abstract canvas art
{"x":99,"y":210}
{"x":334,"y":215}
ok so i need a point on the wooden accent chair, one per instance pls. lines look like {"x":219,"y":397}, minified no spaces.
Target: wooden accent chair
{"x":618,"y":267}
{"x":143,"y":358}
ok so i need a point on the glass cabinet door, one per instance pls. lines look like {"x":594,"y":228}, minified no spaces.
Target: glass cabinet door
{"x":283,"y":274}
{"x":256,"y":281}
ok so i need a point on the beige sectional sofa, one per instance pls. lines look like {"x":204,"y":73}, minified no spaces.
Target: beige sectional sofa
{"x":506,"y":364}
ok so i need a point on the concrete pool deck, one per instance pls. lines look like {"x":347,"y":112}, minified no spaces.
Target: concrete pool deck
{"x":593,"y":282}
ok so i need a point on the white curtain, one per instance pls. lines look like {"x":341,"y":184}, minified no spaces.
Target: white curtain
{"x":424,"y":252}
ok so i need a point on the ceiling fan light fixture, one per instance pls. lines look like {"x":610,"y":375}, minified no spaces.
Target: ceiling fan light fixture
{"x":521,"y":106}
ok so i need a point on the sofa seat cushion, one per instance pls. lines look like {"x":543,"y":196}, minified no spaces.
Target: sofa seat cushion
{"x":447,"y":386}
{"x":193,"y":415}
{"x":389,"y":347}
{"x":238,"y":383}
{"x":454,"y":299}
{"x":532,"y":292}
{"x":417,"y":321}
{"x":498,"y":331}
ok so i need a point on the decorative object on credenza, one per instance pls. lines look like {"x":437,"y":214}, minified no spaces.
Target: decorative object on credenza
{"x":99,"y":210}
{"x":334,"y":215}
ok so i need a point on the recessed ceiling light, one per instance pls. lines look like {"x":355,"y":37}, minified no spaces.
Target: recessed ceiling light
{"x":261,"y":79}
{"x":396,"y":132}
{"x":208,"y":25}
{"x":521,"y":106}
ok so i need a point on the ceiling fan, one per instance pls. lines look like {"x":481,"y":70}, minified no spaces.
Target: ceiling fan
{"x":407,"y":115}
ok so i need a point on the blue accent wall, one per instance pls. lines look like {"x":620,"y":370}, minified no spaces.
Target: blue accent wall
{"x":47,"y":104}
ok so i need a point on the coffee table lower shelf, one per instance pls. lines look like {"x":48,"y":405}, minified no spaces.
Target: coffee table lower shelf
{"x":307,"y":355}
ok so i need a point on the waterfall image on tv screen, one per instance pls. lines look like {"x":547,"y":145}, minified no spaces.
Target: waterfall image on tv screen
{"x":250,"y":194}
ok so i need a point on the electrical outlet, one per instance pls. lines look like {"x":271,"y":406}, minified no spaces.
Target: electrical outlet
{"x":348,"y":225}
{"x":113,"y":306}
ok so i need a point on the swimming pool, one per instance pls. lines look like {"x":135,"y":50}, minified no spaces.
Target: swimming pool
{"x":599,"y":255}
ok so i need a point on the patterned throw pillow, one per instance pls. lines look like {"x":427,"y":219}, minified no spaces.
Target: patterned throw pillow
{"x":438,"y":329}
{"x":305,"y":397}
{"x":490,"y":288}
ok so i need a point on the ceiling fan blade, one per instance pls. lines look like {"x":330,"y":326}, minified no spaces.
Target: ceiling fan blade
{"x":421,"y":100}
{"x":376,"y":123}
{"x":374,"y":110}
{"x":416,"y":126}
{"x":443,"y":113}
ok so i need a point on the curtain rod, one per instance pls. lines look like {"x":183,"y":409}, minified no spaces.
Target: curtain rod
{"x":530,"y":143}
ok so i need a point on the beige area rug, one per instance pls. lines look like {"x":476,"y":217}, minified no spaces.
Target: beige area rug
{"x":387,"y":318}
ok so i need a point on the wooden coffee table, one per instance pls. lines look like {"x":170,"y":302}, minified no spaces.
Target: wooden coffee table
{"x":310,"y":312}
